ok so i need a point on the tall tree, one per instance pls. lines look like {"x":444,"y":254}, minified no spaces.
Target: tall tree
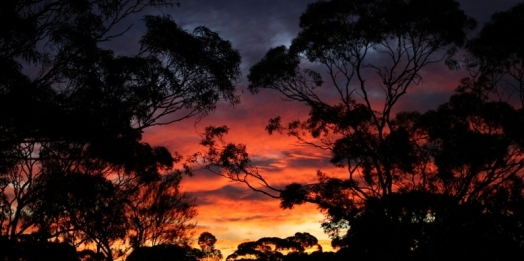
{"x":370,"y":49}
{"x":468,"y":152}
{"x":73,"y":111}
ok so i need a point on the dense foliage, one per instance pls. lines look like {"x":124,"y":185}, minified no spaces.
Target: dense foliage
{"x":73,"y":166}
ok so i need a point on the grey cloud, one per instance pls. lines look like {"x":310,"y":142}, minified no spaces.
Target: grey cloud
{"x":228,"y":192}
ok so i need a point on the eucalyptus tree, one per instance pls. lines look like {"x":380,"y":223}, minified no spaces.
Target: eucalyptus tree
{"x":275,"y":248}
{"x":351,"y":64}
{"x":73,"y":108}
{"x":372,"y":53}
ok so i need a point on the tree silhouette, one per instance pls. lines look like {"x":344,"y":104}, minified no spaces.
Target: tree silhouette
{"x":73,"y":165}
{"x":465,"y":157}
{"x":29,"y":250}
{"x":498,"y":55}
{"x":179,"y":251}
{"x":159,"y":213}
{"x":274,"y":248}
{"x":424,"y":226}
{"x":207,"y":241}
{"x":162,"y":253}
{"x":79,"y":211}
{"x":343,"y":45}
{"x":341,"y":36}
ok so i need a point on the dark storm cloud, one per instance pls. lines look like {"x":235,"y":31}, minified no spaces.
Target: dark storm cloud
{"x":253,"y":26}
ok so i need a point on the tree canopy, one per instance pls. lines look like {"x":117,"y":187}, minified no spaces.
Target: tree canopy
{"x":274,"y":248}
{"x":421,"y":182}
{"x":498,"y":53}
{"x":161,"y":252}
{"x":73,"y":108}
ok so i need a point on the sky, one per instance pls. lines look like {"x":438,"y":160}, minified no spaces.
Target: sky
{"x":230,"y":211}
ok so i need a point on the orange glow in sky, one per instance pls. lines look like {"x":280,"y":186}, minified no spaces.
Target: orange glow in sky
{"x":231,"y":211}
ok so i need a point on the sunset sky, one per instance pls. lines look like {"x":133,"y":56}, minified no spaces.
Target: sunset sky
{"x":230,"y":211}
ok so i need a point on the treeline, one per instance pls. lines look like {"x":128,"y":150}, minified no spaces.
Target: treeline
{"x":28,"y":248}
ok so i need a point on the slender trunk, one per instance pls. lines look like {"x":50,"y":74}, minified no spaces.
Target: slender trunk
{"x":14,"y":222}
